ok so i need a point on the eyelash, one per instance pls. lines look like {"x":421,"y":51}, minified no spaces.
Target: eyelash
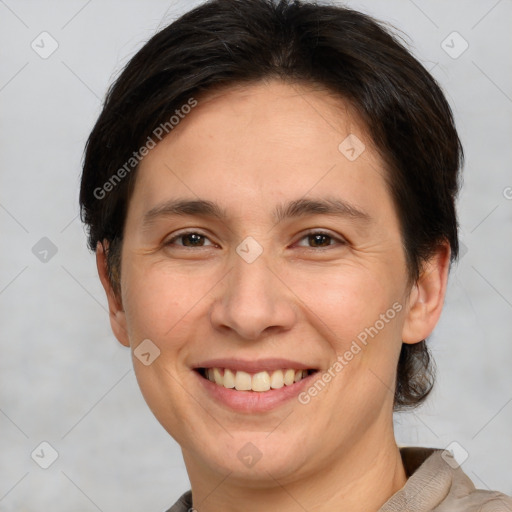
{"x":340,"y":240}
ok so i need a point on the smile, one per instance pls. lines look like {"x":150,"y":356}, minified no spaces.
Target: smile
{"x":259,"y":382}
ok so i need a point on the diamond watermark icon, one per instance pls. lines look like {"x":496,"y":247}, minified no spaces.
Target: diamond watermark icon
{"x":454,"y":45}
{"x":44,"y":455}
{"x":463,"y":250}
{"x":351,"y":147}
{"x":44,"y":45}
{"x":455,"y":455}
{"x":146,"y":352}
{"x":249,"y":454}
{"x":44,"y":250}
{"x":249,"y":249}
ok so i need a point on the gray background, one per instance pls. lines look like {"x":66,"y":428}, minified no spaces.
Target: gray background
{"x":64,"y":378}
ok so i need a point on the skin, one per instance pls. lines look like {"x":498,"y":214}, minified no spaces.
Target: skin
{"x":249,"y":148}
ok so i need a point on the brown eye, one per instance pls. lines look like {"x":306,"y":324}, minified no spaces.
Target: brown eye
{"x":189,"y":239}
{"x":321,"y":239}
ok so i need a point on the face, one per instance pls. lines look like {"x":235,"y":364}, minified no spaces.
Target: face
{"x":295,"y":279}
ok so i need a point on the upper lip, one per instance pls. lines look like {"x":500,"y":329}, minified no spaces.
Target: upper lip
{"x":254,"y":366}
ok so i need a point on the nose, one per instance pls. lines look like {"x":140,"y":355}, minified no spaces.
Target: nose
{"x":253,"y":301}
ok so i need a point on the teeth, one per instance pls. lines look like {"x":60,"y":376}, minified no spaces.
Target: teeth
{"x":277,"y":380}
{"x":289,"y":377}
{"x":217,"y":376}
{"x":229,"y":379}
{"x":262,"y":381}
{"x":298,"y":375}
{"x":242,"y":381}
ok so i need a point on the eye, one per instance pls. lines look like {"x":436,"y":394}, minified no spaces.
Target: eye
{"x":190,"y":239}
{"x":321,"y":239}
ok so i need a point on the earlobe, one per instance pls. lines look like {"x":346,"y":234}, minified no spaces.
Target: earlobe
{"x":115,"y":307}
{"x":426,"y":298}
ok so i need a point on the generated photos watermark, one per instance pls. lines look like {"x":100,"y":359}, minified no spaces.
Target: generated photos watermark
{"x":343,"y":360}
{"x":156,"y":136}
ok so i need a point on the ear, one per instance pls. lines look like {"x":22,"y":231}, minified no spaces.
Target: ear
{"x":426,"y":298}
{"x":115,"y":307}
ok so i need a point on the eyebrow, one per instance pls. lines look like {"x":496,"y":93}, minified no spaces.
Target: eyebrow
{"x":293,"y":209}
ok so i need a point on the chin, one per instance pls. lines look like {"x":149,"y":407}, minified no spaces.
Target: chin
{"x":255,"y":457}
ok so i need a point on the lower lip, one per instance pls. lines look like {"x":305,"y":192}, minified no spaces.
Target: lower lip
{"x":253,"y":401}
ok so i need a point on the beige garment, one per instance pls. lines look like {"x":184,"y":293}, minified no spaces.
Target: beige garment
{"x":435,"y":484}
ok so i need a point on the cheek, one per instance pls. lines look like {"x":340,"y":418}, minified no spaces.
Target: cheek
{"x":357,"y":312}
{"x":161,"y":299}
{"x":346,"y":298}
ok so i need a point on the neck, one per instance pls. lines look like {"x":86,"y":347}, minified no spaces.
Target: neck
{"x":360,"y":479}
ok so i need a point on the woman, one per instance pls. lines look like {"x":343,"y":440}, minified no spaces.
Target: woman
{"x":270,"y":190}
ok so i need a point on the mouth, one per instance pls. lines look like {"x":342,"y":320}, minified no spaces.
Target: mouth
{"x":258,"y":382}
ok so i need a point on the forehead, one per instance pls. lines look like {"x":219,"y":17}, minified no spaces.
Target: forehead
{"x":258,"y":144}
{"x":278,"y":112}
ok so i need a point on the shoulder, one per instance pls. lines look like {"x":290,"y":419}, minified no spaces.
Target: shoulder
{"x":436,"y":483}
{"x":184,"y":504}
